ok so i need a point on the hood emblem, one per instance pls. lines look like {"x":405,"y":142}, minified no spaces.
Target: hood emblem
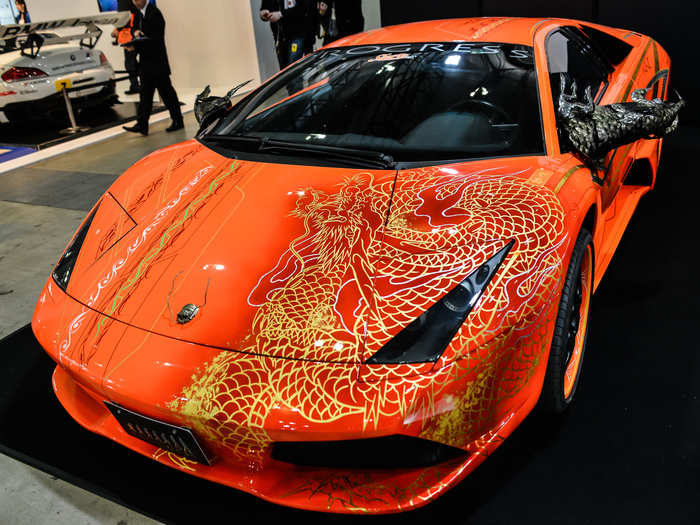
{"x":190,"y":310}
{"x":187,"y":313}
{"x":72,"y":57}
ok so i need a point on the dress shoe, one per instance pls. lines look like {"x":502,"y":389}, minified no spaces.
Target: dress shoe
{"x":132,"y":91}
{"x":174,"y":126}
{"x":136,"y":129}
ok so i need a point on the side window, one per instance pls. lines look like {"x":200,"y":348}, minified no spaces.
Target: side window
{"x":570,"y":55}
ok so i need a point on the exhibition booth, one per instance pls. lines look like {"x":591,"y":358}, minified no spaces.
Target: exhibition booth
{"x":361,"y":283}
{"x":197,"y":59}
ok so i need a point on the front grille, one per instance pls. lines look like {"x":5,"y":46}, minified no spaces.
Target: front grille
{"x":373,"y":453}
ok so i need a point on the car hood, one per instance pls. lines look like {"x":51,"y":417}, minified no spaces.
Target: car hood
{"x":199,"y":247}
{"x":280,"y":260}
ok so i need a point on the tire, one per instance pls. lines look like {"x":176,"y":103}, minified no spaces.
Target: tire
{"x":570,"y":331}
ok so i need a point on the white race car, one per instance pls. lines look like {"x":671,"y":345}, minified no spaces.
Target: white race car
{"x":35,"y":66}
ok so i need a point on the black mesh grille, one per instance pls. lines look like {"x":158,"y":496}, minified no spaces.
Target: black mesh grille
{"x":374,"y":453}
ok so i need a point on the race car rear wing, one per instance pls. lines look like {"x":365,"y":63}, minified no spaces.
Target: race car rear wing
{"x":30,"y":38}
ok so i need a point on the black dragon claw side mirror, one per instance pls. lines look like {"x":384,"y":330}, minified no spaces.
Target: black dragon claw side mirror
{"x":207,"y":107}
{"x":594,"y":130}
{"x":203,"y":104}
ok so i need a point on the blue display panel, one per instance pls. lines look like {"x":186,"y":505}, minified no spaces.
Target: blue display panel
{"x":8,"y":12}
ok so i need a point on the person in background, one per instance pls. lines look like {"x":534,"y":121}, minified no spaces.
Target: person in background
{"x":312,"y":23}
{"x":22,"y":13}
{"x":154,"y":68}
{"x":328,"y":30}
{"x":291,"y":22}
{"x":348,"y":17}
{"x":123,"y":35}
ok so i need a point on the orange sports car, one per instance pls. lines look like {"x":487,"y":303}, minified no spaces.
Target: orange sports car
{"x":355,"y":282}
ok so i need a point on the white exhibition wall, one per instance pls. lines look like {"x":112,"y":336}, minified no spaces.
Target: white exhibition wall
{"x":372,"y":12}
{"x":210,"y":42}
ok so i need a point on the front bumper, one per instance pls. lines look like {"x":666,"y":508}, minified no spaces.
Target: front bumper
{"x":311,"y":488}
{"x":241,"y":405}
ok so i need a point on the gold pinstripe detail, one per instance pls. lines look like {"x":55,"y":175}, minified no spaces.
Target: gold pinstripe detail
{"x":566,"y":177}
{"x":636,"y":72}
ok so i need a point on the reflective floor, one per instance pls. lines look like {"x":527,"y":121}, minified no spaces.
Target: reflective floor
{"x":41,"y":206}
{"x":29,"y":496}
{"x":40,"y":134}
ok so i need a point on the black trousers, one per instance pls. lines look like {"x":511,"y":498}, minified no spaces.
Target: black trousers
{"x":131,"y":65}
{"x":162,"y":83}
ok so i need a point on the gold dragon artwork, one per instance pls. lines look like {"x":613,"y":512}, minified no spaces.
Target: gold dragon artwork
{"x":356,"y":277}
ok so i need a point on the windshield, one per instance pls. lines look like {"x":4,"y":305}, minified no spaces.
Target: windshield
{"x":411,"y":101}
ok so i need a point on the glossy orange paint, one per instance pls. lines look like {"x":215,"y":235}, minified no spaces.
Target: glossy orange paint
{"x":300,"y":273}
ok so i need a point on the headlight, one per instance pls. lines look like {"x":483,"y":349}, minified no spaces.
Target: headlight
{"x":62,"y":271}
{"x":427,"y":336}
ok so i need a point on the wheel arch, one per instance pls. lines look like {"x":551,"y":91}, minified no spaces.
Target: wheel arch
{"x":590,"y":220}
{"x":589,"y":216}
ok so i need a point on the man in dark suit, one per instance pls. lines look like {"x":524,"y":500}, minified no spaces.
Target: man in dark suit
{"x":154,"y":68}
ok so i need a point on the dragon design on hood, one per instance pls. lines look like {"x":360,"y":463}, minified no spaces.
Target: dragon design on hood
{"x":336,"y":261}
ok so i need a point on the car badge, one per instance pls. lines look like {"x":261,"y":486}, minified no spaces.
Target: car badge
{"x":72,"y":57}
{"x":187,"y":313}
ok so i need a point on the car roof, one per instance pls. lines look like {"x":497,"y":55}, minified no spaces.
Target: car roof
{"x":484,"y":29}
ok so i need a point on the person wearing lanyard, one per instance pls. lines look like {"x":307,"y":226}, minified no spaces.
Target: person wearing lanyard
{"x":290,"y":22}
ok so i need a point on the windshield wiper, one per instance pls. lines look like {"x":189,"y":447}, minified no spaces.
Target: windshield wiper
{"x":357,"y":157}
{"x":350,"y":155}
{"x":236,"y":139}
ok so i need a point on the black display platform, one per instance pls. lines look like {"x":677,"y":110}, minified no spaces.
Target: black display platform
{"x":40,"y":134}
{"x":626,"y":451}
